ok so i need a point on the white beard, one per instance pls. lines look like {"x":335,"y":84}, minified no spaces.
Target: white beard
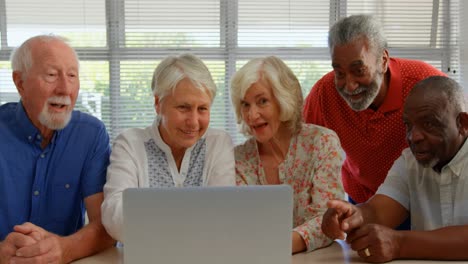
{"x":56,"y":121}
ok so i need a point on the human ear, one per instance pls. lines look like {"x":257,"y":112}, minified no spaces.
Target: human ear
{"x":18,"y":80}
{"x":157,"y":104}
{"x":385,"y":60}
{"x":462,"y":123}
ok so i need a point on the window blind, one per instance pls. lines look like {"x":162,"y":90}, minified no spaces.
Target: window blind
{"x":120,"y":42}
{"x":463,"y":43}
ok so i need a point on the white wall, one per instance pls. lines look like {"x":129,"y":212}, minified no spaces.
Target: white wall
{"x":464,"y":44}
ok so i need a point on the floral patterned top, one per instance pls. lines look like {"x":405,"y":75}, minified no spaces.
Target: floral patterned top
{"x":312,"y":167}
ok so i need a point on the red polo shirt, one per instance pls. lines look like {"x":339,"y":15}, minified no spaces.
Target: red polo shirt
{"x":372,"y":140}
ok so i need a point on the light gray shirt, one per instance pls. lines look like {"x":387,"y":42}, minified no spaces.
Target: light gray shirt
{"x":434,"y":200}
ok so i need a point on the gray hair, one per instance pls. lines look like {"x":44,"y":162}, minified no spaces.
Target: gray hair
{"x":285,"y":86}
{"x":443,"y":85}
{"x":173,"y":69}
{"x":349,"y":29}
{"x":21,"y":57}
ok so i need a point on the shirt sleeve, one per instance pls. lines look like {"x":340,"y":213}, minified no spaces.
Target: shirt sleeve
{"x":240,"y":179}
{"x":121,"y":174}
{"x":312,"y":112}
{"x":395,"y":185}
{"x":221,"y":171}
{"x":96,"y":165}
{"x":246,"y":170}
{"x":326,"y":185}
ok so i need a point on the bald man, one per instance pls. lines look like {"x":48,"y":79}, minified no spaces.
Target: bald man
{"x":429,"y":181}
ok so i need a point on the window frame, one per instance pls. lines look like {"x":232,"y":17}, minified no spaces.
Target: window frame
{"x":228,"y":51}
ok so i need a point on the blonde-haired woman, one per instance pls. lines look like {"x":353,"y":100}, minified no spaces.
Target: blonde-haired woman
{"x":282,"y":149}
{"x":178,"y":149}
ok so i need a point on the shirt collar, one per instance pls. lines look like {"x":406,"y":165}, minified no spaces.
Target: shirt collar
{"x":394,"y":98}
{"x":458,"y":163}
{"x":26,"y":128}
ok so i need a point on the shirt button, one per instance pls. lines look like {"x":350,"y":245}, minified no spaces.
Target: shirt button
{"x":30,"y":138}
{"x":42,"y":155}
{"x":36,"y":193}
{"x":38,"y":136}
{"x":67,"y":186}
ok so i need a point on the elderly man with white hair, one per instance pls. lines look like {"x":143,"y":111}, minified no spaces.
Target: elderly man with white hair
{"x":53,"y":161}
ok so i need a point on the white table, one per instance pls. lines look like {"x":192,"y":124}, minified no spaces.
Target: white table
{"x":338,"y":252}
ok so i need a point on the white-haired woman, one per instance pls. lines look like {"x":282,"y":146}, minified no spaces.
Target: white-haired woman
{"x":178,"y":149}
{"x":282,"y":150}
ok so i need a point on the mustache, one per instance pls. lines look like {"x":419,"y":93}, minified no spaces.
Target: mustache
{"x":62,"y":100}
{"x":359,"y":90}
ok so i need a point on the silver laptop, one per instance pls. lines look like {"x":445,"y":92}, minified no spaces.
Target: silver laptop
{"x":208,"y":225}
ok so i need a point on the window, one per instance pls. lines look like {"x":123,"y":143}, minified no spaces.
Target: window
{"x":120,"y":42}
{"x":464,"y":45}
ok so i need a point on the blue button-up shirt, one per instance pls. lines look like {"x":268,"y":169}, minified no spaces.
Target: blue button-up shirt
{"x":47,"y":186}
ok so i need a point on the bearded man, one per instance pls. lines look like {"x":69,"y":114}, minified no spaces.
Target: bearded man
{"x":53,"y":161}
{"x":362,"y":101}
